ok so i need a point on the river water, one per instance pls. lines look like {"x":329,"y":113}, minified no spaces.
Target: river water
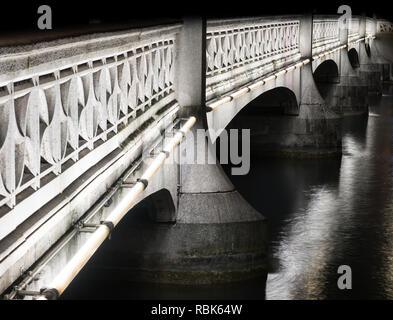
{"x":322,"y":213}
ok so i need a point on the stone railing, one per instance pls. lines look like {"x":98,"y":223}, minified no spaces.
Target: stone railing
{"x":239,"y":51}
{"x":325,"y":33}
{"x":354,"y":28}
{"x":63,"y":105}
{"x":384,"y":26}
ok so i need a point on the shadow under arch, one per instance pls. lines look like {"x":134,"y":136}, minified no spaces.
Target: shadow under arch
{"x":368,"y":49}
{"x":161,"y":206}
{"x":325,"y":76}
{"x":277,"y":101}
{"x":132,"y":263}
{"x":269,"y":119}
{"x":353,"y":58}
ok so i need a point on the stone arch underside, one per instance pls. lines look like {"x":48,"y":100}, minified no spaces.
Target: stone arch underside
{"x":325,"y":76}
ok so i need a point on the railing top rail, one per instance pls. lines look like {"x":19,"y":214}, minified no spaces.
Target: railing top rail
{"x":211,"y":23}
{"x":321,"y":17}
{"x":134,"y":33}
{"x":336,"y":16}
{"x":20,"y":58}
{"x":251,"y":20}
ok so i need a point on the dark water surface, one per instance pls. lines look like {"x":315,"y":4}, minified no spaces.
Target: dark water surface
{"x":322,"y":213}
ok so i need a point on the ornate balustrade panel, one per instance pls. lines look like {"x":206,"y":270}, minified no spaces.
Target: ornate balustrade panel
{"x":57,"y":111}
{"x":384,"y":26}
{"x":325,"y":34}
{"x":239,"y":51}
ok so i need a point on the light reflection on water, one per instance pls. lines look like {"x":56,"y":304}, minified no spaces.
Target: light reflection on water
{"x":349,"y":222}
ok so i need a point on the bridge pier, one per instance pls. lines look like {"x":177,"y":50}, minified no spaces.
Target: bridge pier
{"x":317,"y":129}
{"x":314,"y":131}
{"x":370,"y":71}
{"x":216,"y":236}
{"x":350,"y":95}
{"x":368,"y":68}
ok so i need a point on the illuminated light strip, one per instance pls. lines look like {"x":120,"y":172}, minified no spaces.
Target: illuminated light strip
{"x":356,"y":41}
{"x":269,"y":78}
{"x":239,"y":93}
{"x":318,"y":56}
{"x":256,"y":85}
{"x":280,"y":73}
{"x":298,"y":65}
{"x":216,"y":104}
{"x":78,"y":261}
{"x":291,"y":68}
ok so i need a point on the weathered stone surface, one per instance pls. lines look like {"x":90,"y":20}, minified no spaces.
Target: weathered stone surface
{"x":218,"y":237}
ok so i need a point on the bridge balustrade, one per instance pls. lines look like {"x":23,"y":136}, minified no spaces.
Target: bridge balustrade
{"x":241,"y":50}
{"x":384,"y":26}
{"x":325,"y":34}
{"x":66,"y":105}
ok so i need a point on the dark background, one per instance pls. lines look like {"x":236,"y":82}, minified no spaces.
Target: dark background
{"x":74,"y":17}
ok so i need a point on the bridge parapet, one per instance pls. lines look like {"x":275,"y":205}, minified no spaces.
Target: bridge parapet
{"x":384,"y":26}
{"x":325,"y":33}
{"x":370,"y":27}
{"x":239,"y":51}
{"x":67,"y":104}
{"x":354,"y":28}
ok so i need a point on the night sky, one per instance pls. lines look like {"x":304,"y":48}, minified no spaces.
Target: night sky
{"x":18,"y":16}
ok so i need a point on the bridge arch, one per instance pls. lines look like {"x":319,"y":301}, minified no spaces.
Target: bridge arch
{"x":270,"y":120}
{"x":325,"y":75}
{"x":280,"y":96}
{"x":277,"y":101}
{"x":354,"y":58}
{"x":161,"y":206}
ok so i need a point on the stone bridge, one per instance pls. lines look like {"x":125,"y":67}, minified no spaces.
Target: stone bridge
{"x":89,"y":124}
